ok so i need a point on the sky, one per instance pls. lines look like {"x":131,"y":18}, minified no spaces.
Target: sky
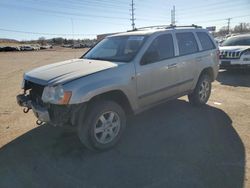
{"x":79,"y":19}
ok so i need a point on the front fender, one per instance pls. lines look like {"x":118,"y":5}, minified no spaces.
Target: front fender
{"x":85,"y":88}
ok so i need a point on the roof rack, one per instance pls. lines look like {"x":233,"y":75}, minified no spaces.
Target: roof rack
{"x":164,"y":27}
{"x":175,"y":26}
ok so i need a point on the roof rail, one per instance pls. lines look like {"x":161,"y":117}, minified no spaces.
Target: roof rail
{"x":164,"y":27}
{"x":175,"y":26}
{"x":153,"y":27}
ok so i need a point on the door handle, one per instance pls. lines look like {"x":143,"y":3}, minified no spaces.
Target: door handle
{"x":172,"y":66}
{"x":198,"y":59}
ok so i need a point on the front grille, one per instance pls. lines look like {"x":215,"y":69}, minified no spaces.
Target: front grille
{"x":35,"y":91}
{"x":229,"y":55}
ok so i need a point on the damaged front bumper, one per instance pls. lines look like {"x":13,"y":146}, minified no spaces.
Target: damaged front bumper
{"x":57,"y":115}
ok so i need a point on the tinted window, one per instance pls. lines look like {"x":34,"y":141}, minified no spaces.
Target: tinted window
{"x":187,"y":43}
{"x":205,"y":40}
{"x":161,"y":48}
{"x":237,"y":41}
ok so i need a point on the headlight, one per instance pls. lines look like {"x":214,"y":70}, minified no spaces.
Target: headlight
{"x":56,"y":95}
{"x":247,"y":52}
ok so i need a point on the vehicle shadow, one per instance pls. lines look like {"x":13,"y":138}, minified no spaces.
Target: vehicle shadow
{"x":172,"y":145}
{"x":234,"y":78}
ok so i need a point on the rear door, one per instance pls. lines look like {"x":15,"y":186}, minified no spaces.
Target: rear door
{"x":187,"y":58}
{"x":208,"y":53}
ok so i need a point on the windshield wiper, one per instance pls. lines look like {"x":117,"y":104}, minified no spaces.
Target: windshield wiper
{"x":94,"y":58}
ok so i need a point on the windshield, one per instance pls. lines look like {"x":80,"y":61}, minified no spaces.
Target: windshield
{"x":120,"y":48}
{"x":237,"y":41}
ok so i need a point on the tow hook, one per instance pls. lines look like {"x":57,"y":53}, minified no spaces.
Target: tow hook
{"x":38,"y":122}
{"x":26,"y":110}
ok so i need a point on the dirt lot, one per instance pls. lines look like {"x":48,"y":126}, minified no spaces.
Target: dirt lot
{"x":172,"y":145}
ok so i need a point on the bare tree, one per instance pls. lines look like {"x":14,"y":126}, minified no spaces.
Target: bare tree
{"x":242,"y":28}
{"x":42,"y":41}
{"x":223,"y":31}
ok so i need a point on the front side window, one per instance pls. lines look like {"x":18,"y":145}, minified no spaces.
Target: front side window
{"x":118,"y":49}
{"x":161,"y":48}
{"x":205,"y":40}
{"x":187,"y":43}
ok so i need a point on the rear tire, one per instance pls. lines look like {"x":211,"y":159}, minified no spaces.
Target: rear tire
{"x":202,"y":91}
{"x":103,"y":125}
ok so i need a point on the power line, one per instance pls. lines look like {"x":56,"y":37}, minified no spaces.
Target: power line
{"x":48,"y":34}
{"x":210,"y":5}
{"x":207,"y":8}
{"x":68,"y":5}
{"x":116,"y":3}
{"x":94,"y":4}
{"x":72,"y":14}
{"x":223,"y":19}
{"x":197,"y":18}
{"x":65,"y":13}
{"x":217,"y":9}
{"x":89,"y":34}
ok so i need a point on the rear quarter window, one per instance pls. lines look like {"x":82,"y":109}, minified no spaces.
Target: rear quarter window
{"x":205,"y":40}
{"x":186,"y":43}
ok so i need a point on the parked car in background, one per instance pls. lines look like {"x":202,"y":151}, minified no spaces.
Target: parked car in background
{"x":9,"y":48}
{"x":219,"y":40}
{"x":36,"y":46}
{"x":235,"y":52}
{"x":123,"y":74}
{"x":44,"y":47}
{"x":78,"y":46}
{"x":67,"y":45}
{"x":26,"y":48}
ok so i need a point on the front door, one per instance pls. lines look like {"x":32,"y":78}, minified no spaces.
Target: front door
{"x":157,"y":74}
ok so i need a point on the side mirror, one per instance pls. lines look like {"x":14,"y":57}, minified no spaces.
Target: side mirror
{"x":149,"y":57}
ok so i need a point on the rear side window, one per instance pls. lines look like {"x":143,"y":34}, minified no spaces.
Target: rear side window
{"x":161,"y":48}
{"x":186,"y":43}
{"x":206,"y":41}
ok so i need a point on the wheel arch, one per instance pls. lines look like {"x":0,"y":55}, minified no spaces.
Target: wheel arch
{"x":209,"y":71}
{"x":117,"y":96}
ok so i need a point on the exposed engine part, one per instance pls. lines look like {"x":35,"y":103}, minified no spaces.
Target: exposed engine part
{"x":38,"y":122}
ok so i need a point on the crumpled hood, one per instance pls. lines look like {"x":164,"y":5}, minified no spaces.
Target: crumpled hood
{"x":59,"y":73}
{"x":234,"y":48}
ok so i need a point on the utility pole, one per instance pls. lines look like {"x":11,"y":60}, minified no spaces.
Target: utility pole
{"x":173,"y":16}
{"x":133,"y":15}
{"x":228,"y":25}
{"x":73,"y":34}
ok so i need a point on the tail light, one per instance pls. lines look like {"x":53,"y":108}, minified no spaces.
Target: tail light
{"x":218,"y":54}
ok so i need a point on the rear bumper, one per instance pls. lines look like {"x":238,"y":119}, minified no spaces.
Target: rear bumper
{"x":58,"y":115}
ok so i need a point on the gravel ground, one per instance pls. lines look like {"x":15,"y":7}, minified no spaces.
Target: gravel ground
{"x":172,"y":145}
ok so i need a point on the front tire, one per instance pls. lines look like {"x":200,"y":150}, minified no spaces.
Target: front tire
{"x":103,"y":125}
{"x":202,"y":91}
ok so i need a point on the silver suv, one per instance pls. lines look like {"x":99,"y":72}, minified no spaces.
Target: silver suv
{"x":123,"y":74}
